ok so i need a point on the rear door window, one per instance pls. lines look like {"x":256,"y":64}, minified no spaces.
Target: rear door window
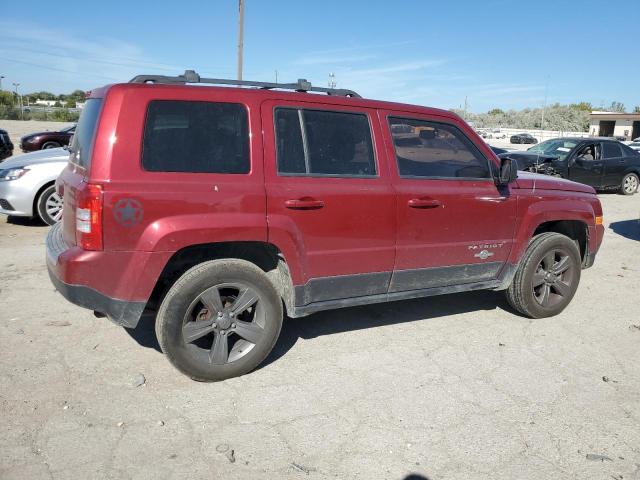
{"x":324,"y":143}
{"x":611,"y":150}
{"x":196,"y":137}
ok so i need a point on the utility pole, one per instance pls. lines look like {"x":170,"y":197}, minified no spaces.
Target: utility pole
{"x":332,"y":80}
{"x":466,"y":105}
{"x":16,"y":85}
{"x":1,"y":77}
{"x":240,"y":37}
{"x":544,"y":107}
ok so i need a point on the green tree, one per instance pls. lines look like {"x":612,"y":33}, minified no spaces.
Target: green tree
{"x":617,"y":107}
{"x":6,"y":98}
{"x":496,"y":111}
{"x":42,"y":95}
{"x":636,"y":109}
{"x":586,"y":106}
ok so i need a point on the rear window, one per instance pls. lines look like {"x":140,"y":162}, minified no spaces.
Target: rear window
{"x":85,"y":132}
{"x":196,"y":137}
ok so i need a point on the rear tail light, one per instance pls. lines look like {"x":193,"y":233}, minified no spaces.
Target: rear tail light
{"x":89,"y":218}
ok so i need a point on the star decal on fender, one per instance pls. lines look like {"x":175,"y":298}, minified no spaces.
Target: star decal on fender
{"x":128,"y":212}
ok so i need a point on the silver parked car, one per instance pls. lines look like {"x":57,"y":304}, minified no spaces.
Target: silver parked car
{"x":27,"y":184}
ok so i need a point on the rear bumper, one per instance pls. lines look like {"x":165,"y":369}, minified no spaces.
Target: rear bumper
{"x":120,"y":312}
{"x":117,"y":284}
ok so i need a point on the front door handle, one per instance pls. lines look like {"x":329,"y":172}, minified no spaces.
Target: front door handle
{"x":305,"y":203}
{"x":424,"y":203}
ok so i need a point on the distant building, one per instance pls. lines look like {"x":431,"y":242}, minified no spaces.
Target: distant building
{"x":46,"y":103}
{"x":614,"y":124}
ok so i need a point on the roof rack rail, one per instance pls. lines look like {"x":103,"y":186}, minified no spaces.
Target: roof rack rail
{"x":190,"y":76}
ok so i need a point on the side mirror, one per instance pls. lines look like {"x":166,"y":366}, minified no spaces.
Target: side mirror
{"x":508,"y":171}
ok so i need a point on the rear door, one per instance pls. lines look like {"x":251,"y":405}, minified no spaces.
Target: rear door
{"x":587,"y":165}
{"x":454,"y":225}
{"x":330,"y":206}
{"x":615,"y":164}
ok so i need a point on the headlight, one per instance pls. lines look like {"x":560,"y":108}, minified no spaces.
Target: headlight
{"x":12,"y":174}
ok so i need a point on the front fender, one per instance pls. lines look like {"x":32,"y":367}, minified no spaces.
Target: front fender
{"x":534,"y":210}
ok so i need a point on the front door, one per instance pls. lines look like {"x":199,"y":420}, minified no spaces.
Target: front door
{"x":330,"y":207}
{"x":454,"y":225}
{"x":586,"y":165}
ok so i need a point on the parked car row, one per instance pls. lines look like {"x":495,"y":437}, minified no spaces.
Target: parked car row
{"x":47,"y":139}
{"x":6,"y":147}
{"x":27,"y":185}
{"x":523,"y":138}
{"x":602,"y":163}
{"x":36,"y":141}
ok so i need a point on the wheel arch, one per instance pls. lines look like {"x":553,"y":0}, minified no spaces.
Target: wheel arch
{"x":266,"y":256}
{"x":576,"y":230}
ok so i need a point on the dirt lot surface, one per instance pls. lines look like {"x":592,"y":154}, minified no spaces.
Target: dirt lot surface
{"x":447,"y":387}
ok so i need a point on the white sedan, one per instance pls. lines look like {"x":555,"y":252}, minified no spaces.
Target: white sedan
{"x":27,"y":185}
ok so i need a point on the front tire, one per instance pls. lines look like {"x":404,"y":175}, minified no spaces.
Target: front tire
{"x":629,"y":184}
{"x":219,"y":320}
{"x":50,"y":206}
{"x":49,"y":145}
{"x":547,"y":277}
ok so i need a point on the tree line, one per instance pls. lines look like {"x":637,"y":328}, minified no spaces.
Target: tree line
{"x":568,"y":118}
{"x":10,"y":99}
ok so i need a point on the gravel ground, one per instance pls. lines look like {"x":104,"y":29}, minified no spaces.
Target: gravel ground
{"x":447,"y":387}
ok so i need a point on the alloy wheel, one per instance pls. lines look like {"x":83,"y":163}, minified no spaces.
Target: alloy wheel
{"x":630,"y":184}
{"x":53,"y":206}
{"x":553,"y":278}
{"x":224,"y":323}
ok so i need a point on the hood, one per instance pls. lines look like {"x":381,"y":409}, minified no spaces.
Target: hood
{"x":41,"y":156}
{"x":528,"y":180}
{"x":526,"y":159}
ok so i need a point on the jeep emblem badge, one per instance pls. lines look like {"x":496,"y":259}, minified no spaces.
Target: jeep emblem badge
{"x":484,"y":254}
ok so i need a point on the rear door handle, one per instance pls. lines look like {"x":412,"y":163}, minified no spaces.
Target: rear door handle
{"x":424,"y":203}
{"x":305,"y":203}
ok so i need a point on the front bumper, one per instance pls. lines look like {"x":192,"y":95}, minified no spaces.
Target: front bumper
{"x":18,"y":196}
{"x":125,"y":313}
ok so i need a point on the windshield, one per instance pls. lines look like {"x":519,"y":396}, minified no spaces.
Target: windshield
{"x":85,"y":131}
{"x":69,"y":129}
{"x":557,"y":148}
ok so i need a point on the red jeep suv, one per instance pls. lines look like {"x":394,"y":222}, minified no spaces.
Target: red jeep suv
{"x":222,"y":208}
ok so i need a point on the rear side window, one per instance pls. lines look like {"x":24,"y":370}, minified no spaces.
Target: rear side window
{"x":323,"y":143}
{"x":611,"y":150}
{"x":435,"y":150}
{"x":196,"y":137}
{"x":85,"y":132}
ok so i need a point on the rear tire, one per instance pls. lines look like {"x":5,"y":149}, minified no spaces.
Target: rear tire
{"x":547,"y":277}
{"x":219,"y":320}
{"x":629,"y":184}
{"x":49,"y":145}
{"x":49,"y":206}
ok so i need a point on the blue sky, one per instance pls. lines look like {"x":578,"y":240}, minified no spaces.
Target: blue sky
{"x":497,"y":53}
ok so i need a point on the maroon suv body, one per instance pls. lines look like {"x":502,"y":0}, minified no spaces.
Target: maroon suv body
{"x":219,"y":207}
